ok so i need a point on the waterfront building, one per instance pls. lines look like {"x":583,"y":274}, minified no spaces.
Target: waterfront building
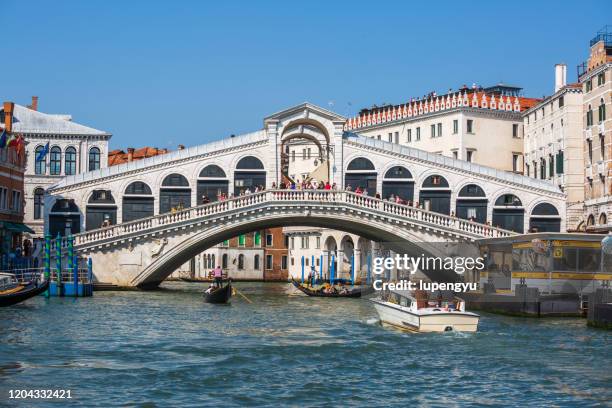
{"x":595,"y":76}
{"x":12,"y":169}
{"x":478,"y":125}
{"x":70,"y":149}
{"x":553,"y":146}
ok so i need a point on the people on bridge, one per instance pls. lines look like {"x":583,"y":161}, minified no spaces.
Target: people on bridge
{"x":205,"y":199}
{"x":218,"y":276}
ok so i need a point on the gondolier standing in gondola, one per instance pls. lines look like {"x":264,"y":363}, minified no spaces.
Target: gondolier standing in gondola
{"x":218,"y":275}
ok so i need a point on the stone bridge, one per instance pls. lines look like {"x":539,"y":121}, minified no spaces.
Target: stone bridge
{"x":151,"y":233}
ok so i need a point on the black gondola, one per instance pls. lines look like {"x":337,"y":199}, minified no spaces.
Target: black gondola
{"x":18,"y":292}
{"x":350,"y":293}
{"x":219,"y":295}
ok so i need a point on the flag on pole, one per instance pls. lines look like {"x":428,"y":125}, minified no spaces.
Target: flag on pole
{"x":3,"y":138}
{"x":43,"y":153}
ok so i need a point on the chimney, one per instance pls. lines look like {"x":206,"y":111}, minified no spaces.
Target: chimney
{"x":130,"y":154}
{"x":560,"y":76}
{"x":181,"y":147}
{"x":8,"y":116}
{"x":34,"y":105}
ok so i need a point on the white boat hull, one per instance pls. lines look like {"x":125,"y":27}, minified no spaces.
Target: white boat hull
{"x":425,"y":322}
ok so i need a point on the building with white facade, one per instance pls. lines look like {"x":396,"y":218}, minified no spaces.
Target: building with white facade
{"x":553,"y":143}
{"x":479,"y":125}
{"x":595,"y":76}
{"x":73,"y":149}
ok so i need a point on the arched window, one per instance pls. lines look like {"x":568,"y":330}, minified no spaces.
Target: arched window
{"x":224,"y":261}
{"x":249,"y":175}
{"x":399,"y":183}
{"x":64,"y":218}
{"x":212,"y":182}
{"x":360,"y":164}
{"x":507,"y":200}
{"x":137,"y":202}
{"x":361,"y":173}
{"x":240,"y":261}
{"x":212,"y":261}
{"x":41,"y":165}
{"x":70,"y":159}
{"x":472,"y":204}
{"x":435,"y":195}
{"x":55,"y":163}
{"x":94,"y":158}
{"x":508,"y":213}
{"x":545,"y":218}
{"x":101,"y":210}
{"x":249,"y":163}
{"x":435,"y":181}
{"x":39,"y":202}
{"x":256,"y":262}
{"x":603,"y":219}
{"x":174,"y":193}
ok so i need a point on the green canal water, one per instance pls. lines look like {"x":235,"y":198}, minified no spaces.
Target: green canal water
{"x":168,"y":348}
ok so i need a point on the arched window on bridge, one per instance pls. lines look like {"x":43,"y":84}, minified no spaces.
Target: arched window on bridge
{"x":249,"y":174}
{"x":472,"y":204}
{"x":399,"y":182}
{"x":361,"y":173}
{"x":137,"y":202}
{"x":212,"y":181}
{"x":240,"y":262}
{"x":224,"y":261}
{"x":435,"y":194}
{"x":508,"y":213}
{"x":174,"y":193}
{"x":101,"y":210}
{"x":64,"y":218}
{"x":545,"y":218}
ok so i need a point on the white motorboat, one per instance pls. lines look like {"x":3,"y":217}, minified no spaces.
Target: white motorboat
{"x":402,"y":310}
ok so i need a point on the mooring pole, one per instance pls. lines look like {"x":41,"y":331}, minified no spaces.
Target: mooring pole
{"x":47,"y":262}
{"x":302,"y":269}
{"x":75,"y":265}
{"x":58,"y":263}
{"x":333,"y":270}
{"x":69,"y":268}
{"x":353,"y":270}
{"x":321,"y":268}
{"x":369,"y":268}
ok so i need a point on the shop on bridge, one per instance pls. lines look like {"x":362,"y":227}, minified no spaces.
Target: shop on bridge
{"x":138,"y":202}
{"x":361,"y":173}
{"x":545,"y":218}
{"x":472,"y":204}
{"x":435,"y":195}
{"x":249,"y":174}
{"x":64,"y":218}
{"x":508,"y":213}
{"x":174,"y":194}
{"x":101,"y":210}
{"x":212,"y":182}
{"x":398,"y":181}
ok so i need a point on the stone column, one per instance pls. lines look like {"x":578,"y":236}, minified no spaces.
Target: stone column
{"x":326,"y":260}
{"x":340,"y":262}
{"x":357,"y":258}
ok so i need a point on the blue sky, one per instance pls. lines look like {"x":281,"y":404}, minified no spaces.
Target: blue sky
{"x":160,"y":73}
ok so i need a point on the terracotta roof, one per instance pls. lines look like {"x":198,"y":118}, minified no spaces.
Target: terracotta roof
{"x":118,"y":156}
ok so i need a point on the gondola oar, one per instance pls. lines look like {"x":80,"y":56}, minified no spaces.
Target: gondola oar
{"x":240,"y":293}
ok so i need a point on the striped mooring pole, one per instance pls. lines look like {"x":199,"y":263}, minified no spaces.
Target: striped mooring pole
{"x":58,"y":263}
{"x":47,"y":262}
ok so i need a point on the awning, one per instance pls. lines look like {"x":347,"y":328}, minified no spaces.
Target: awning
{"x":15,"y":227}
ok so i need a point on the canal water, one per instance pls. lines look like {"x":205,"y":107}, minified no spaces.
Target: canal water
{"x":168,"y":348}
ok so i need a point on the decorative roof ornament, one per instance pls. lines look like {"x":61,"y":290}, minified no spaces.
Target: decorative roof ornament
{"x":454,"y":101}
{"x":474,"y":100}
{"x":483,"y":103}
{"x":405,"y":111}
{"x":465,"y":99}
{"x":508,"y":103}
{"x":393,"y":114}
{"x":517,"y":105}
{"x":493,"y":103}
{"x":420,"y":107}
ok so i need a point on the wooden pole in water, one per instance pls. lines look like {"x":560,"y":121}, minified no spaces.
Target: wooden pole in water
{"x":333,"y":270}
{"x":302,"y":269}
{"x":75,"y":264}
{"x":58,"y":263}
{"x":369,"y":268}
{"x":70,"y":256}
{"x":47,"y":262}
{"x":353,"y":270}
{"x":313,"y":278}
{"x":321,"y":268}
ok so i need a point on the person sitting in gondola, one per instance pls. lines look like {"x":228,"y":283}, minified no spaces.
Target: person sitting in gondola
{"x":218,"y":275}
{"x":210,"y":288}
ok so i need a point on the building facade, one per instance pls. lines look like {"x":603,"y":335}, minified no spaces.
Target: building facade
{"x":479,"y":125}
{"x":553,"y":143}
{"x":70,"y":148}
{"x":12,"y":169}
{"x":595,"y":76}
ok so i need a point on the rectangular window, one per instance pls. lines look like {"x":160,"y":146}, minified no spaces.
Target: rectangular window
{"x":470,"y":155}
{"x":470,"y":126}
{"x":439,"y":129}
{"x":390,"y":137}
{"x":418,"y":134}
{"x":242,"y":240}
{"x":589,"y":85}
{"x":409,"y":138}
{"x":455,"y":126}
{"x":396,"y":137}
{"x":305,"y":242}
{"x":527,"y":168}
{"x":378,"y":137}
{"x":268,"y":240}
{"x":284,"y":262}
{"x":318,"y":242}
{"x":602,"y":112}
{"x":589,"y":117}
{"x":601,"y":79}
{"x":455,"y":154}
{"x":433,"y":130}
{"x":293,"y":155}
{"x":257,"y":239}
{"x":561,"y":102}
{"x":515,"y":130}
{"x":551,"y":166}
{"x":292,"y":244}
{"x":269,"y":262}
{"x":560,"y":162}
{"x":303,"y":154}
{"x":309,"y":152}
{"x":515,"y":158}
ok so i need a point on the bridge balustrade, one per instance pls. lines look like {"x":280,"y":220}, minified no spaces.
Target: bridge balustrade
{"x":293,"y":196}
